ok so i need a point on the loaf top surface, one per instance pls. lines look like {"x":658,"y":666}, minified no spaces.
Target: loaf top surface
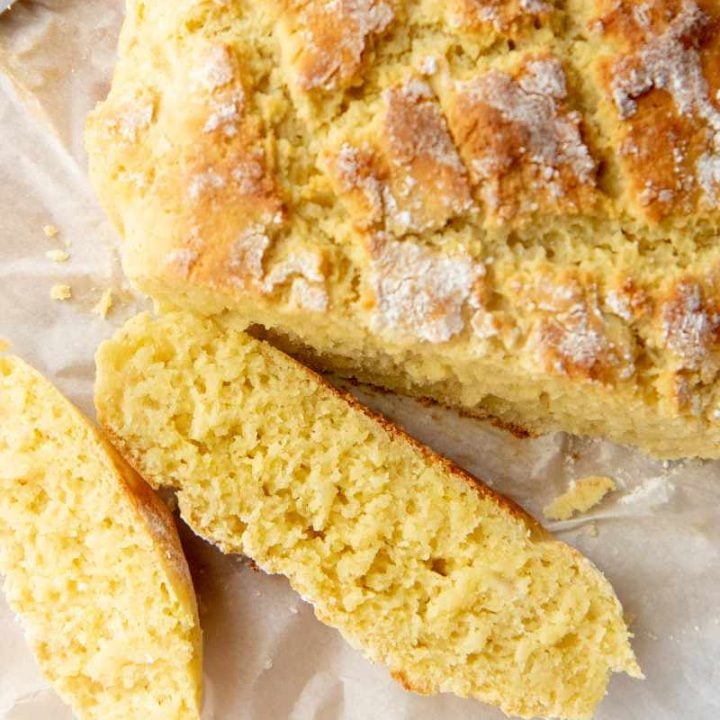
{"x":92,"y":563}
{"x":538,"y":178}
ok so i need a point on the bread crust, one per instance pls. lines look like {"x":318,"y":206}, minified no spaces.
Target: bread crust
{"x":524,"y":232}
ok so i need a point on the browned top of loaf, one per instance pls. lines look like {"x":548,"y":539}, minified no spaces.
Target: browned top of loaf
{"x":532,"y":178}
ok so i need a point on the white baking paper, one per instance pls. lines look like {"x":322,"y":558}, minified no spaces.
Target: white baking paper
{"x":657,"y":538}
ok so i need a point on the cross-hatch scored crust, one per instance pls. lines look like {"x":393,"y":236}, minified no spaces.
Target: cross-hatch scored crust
{"x":92,"y":563}
{"x":416,"y":562}
{"x":545,"y":173}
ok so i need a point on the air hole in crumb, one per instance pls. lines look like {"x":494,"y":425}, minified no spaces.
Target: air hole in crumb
{"x":439,"y":566}
{"x":311,"y":532}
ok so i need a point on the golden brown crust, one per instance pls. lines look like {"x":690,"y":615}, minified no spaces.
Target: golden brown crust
{"x":575,"y":336}
{"x":413,"y":180}
{"x":517,"y":132}
{"x":663,"y":80}
{"x":401,"y":677}
{"x":330,"y":41}
{"x":426,"y":180}
{"x":505,"y":17}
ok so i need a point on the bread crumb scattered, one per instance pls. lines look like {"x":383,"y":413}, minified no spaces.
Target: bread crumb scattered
{"x":4,"y":344}
{"x":104,"y":304}
{"x":60,"y":292}
{"x":581,"y":496}
{"x":50,"y":231}
{"x":58,"y":256}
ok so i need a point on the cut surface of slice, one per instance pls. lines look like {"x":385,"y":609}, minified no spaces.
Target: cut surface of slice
{"x":92,"y":563}
{"x":417,"y":563}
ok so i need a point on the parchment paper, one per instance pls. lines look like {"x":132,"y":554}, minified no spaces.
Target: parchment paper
{"x":657,"y":538}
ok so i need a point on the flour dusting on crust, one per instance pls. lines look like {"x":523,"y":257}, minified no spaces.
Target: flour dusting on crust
{"x":132,"y":116}
{"x":246,"y":265}
{"x":554,"y":139}
{"x":214,"y":69}
{"x":333,"y":38}
{"x":507,"y":126}
{"x":671,"y":61}
{"x":304,"y":263}
{"x":410,"y":178}
{"x":182,"y":260}
{"x":690,"y":329}
{"x":226,"y":113}
{"x":247,"y":254}
{"x":420,"y":292}
{"x":573,"y":337}
{"x":310,"y":296}
{"x":205,"y":181}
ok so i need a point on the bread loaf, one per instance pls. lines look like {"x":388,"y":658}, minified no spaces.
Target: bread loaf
{"x":510,"y":206}
{"x":417,"y":563}
{"x":92,"y":563}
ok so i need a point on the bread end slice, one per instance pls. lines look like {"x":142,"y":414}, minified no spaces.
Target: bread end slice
{"x":92,"y":562}
{"x":416,"y":562}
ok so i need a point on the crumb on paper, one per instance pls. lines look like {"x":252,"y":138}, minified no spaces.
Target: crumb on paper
{"x":104,"y":304}
{"x":58,"y":256}
{"x":60,"y":292}
{"x":592,"y":530}
{"x":50,"y":231}
{"x":267,"y":664}
{"x":4,"y":345}
{"x":581,"y":496}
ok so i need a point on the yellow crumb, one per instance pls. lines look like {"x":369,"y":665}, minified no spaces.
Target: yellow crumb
{"x":104,"y":304}
{"x":50,"y":231}
{"x":4,"y":344}
{"x":272,"y":463}
{"x":92,"y":563}
{"x":582,"y":495}
{"x":58,"y":256}
{"x":60,"y":292}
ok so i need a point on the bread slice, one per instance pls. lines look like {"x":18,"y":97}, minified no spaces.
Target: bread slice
{"x":92,"y":563}
{"x":506,"y":206}
{"x":417,"y":563}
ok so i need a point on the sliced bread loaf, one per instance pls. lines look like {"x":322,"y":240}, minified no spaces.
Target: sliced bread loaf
{"x":92,"y":563}
{"x":417,"y":563}
{"x":510,"y":206}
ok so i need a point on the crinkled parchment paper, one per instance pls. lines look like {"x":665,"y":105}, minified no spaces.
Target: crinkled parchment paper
{"x":657,"y":538}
